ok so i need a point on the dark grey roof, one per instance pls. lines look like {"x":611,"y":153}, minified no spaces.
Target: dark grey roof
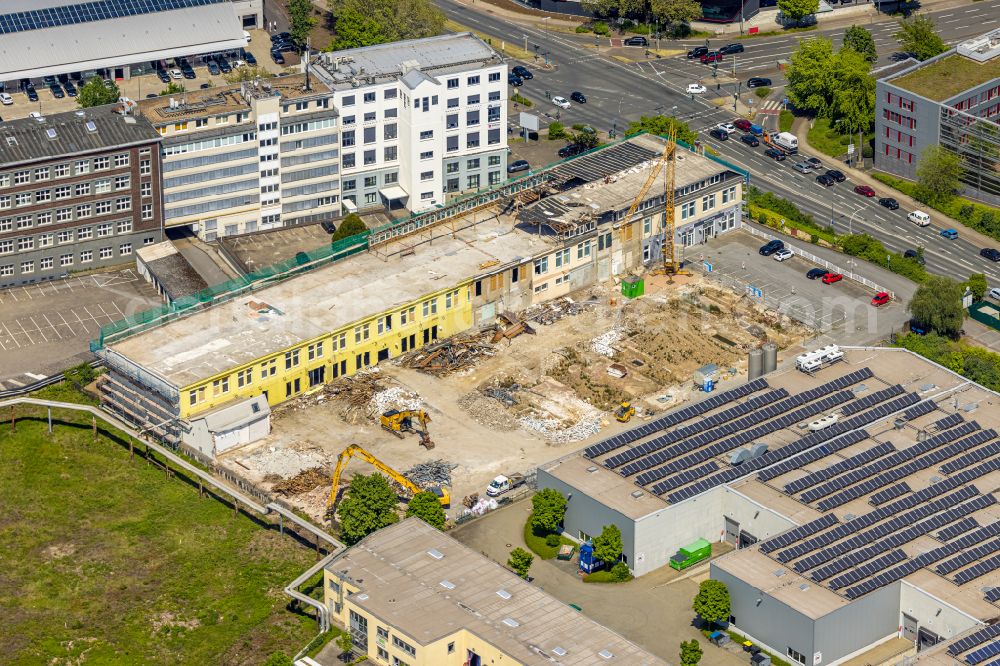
{"x":176,"y":276}
{"x":64,"y":134}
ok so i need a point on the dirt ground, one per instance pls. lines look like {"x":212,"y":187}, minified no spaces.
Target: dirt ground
{"x":523,"y":401}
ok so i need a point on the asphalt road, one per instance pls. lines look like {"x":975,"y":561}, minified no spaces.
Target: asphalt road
{"x":618,"y":93}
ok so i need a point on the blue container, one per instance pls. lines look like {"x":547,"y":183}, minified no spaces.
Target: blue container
{"x":709,"y":385}
{"x":589,"y":563}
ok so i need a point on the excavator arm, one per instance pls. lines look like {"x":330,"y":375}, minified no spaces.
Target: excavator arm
{"x":355,"y":450}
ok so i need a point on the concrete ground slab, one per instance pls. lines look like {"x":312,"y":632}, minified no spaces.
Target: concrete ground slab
{"x":254,"y":251}
{"x":47,"y":327}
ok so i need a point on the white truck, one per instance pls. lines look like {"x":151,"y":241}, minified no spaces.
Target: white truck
{"x":503,"y":484}
{"x":786,"y":141}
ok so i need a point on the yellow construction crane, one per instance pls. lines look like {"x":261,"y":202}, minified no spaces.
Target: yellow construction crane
{"x":670,"y":264}
{"x":443,"y":495}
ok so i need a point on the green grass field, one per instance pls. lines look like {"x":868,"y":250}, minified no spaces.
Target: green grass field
{"x":106,"y":561}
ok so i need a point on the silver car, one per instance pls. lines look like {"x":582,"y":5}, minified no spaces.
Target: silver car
{"x":994,"y":293}
{"x":803,"y":167}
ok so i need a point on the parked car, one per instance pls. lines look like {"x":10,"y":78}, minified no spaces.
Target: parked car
{"x":518,"y":165}
{"x":514,"y":80}
{"x":880,"y":299}
{"x":213,"y":68}
{"x":836,"y":175}
{"x":864,"y":190}
{"x":742,"y":124}
{"x":286,"y":47}
{"x":695,"y":89}
{"x":523,"y":72}
{"x":830,"y":278}
{"x":719,"y":133}
{"x":205,"y":86}
{"x":758,"y":82}
{"x":815,"y":273}
{"x":578,"y":97}
{"x":950,"y":234}
{"x":70,"y":88}
{"x":164,"y":77}
{"x":757,"y":130}
{"x":771,"y":247}
{"x":802,"y":167}
{"x":281,"y":37}
{"x":188,"y":73}
{"x":710,"y":57}
{"x":994,"y":293}
{"x":919,"y":218}
{"x":990,"y":253}
{"x":750,"y":140}
{"x":815,"y":161}
{"x":57,"y":92}
{"x":782,"y":254}
{"x":732,"y":48}
{"x":825,"y":180}
{"x":6,"y":99}
{"x":561,"y":102}
{"x":775,"y":154}
{"x":32,"y":94}
{"x":729,"y":127}
{"x":223,"y":64}
{"x":697,"y":52}
{"x":327,"y":226}
{"x":251,"y":60}
{"x":888,"y":202}
{"x":176,"y":74}
{"x":636,"y":41}
{"x":916,"y":256}
{"x":570,"y":150}
{"x":277,"y":58}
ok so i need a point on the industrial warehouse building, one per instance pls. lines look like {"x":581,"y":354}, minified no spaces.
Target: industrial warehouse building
{"x":291,"y":337}
{"x":880,"y":526}
{"x":410,"y":594}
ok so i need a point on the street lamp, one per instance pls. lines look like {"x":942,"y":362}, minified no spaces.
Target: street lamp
{"x":850,"y":221}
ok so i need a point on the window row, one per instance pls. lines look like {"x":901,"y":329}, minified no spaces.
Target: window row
{"x":75,"y":168}
{"x":65,"y":260}
{"x":72,"y":213}
{"x":64,"y":192}
{"x":25,"y":243}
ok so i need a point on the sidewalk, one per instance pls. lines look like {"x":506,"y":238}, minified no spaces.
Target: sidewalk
{"x":801,"y":130}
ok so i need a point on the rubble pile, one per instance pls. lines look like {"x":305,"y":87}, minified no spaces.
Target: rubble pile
{"x":604,"y":343}
{"x":303,"y":482}
{"x":451,"y":355}
{"x":395,"y":397}
{"x":433,"y":473}
{"x":484,"y":410}
{"x":553,"y":311}
{"x":275,"y":463}
{"x":557,"y":432}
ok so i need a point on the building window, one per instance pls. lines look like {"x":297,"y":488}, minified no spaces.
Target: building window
{"x":101,"y":163}
{"x":29,"y":266}
{"x":145,"y":167}
{"x":472,"y":164}
{"x":60,"y":170}
{"x":391,"y":177}
{"x":86,"y":256}
{"x":43,"y":218}
{"x":66,"y":260}
{"x":426,"y":135}
{"x":83,"y":166}
{"x":370,"y":157}
{"x":369,"y":97}
{"x":64,"y":215}
{"x":583,"y":250}
{"x":562,"y":257}
{"x":106,"y":253}
{"x":43,"y":195}
{"x":147,"y":211}
{"x":123,"y":182}
{"x":361,"y":333}
{"x":383,"y":655}
{"x":102,"y":207}
{"x":472,"y":182}
{"x":404,"y":646}
{"x":315,"y":351}
{"x":542,"y":266}
{"x":269,"y":368}
{"x":452,"y":84}
{"x":64,"y":236}
{"x":472,"y":140}
{"x":427,"y":175}
{"x":472,"y":99}
{"x":291,"y":359}
{"x":125,"y":249}
{"x":472,"y":117}
{"x":707,"y":202}
{"x":244,"y":378}
{"x":41,"y":173}
{"x":424,"y":196}
{"x":102,"y":186}
{"x":45,"y":264}
{"x":371,"y":181}
{"x":125,"y":227}
{"x":220,"y":386}
{"x":339,"y":341}
{"x":28,"y":243}
{"x":688,"y":210}
{"x":796,"y":655}
{"x":122,"y":160}
{"x":427,"y":155}
{"x":430,"y":307}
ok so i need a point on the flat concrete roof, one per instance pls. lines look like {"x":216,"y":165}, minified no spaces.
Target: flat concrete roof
{"x":194,"y":348}
{"x":428,"y":585}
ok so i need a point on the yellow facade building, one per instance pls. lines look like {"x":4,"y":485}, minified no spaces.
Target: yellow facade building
{"x":410,"y":595}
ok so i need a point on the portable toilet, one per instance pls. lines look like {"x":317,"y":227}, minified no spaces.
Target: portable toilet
{"x":691,"y":554}
{"x":633,"y":287}
{"x":588,"y":563}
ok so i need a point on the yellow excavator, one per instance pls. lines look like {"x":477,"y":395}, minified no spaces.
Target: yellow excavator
{"x":442,"y":493}
{"x":399,"y":421}
{"x":624,"y":412}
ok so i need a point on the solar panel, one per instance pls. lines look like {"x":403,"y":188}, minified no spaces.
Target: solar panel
{"x":974,"y":639}
{"x":844,"y":465}
{"x":684,"y":477}
{"x":918,"y":410}
{"x":793,"y":462}
{"x":968,"y":556}
{"x":974,"y":537}
{"x":992,"y":595}
{"x":48,"y":17}
{"x":949,"y":421}
{"x":983,"y":653}
{"x":869,"y":569}
{"x":872,"y":399}
{"x":977,"y":570}
{"x":796,"y":533}
{"x":960,"y":527}
{"x":881,"y":580}
{"x":982,"y":453}
{"x":890,"y":493}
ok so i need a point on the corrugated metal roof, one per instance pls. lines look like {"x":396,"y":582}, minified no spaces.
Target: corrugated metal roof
{"x":120,"y":41}
{"x":28,"y":139}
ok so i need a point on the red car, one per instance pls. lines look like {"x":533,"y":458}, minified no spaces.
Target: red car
{"x":881,"y":298}
{"x":710,"y":57}
{"x":742,"y":124}
{"x":830,"y":278}
{"x":864,"y":190}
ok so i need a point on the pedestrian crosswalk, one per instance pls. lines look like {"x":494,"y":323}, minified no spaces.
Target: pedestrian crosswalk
{"x":770,"y":106}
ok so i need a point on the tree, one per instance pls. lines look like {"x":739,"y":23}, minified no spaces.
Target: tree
{"x":557,"y":131}
{"x":661,"y":125}
{"x":937,"y":303}
{"x":859,"y":40}
{"x":520,"y":561}
{"x":811,"y":77}
{"x":938,"y":176}
{"x":690,"y":652}
{"x":395,"y":20}
{"x":302,"y":20}
{"x":172,"y":89}
{"x":675,"y":12}
{"x":426,"y":506}
{"x":355,"y":29}
{"x":96,"y":92}
{"x":585,"y":140}
{"x":548,"y":509}
{"x":854,"y":92}
{"x":345,"y":643}
{"x":978,"y":285}
{"x":246,"y":73}
{"x":796,"y":10}
{"x":351,"y":225}
{"x":620,"y":572}
{"x":916,"y":36}
{"x":369,"y":506}
{"x":608,"y":544}
{"x":278,"y":659}
{"x":712,"y":601}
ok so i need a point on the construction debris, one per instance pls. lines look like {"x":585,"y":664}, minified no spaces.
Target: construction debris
{"x":395,"y":397}
{"x":433,"y":473}
{"x":448,"y":356}
{"x":509,"y":326}
{"x":553,"y":311}
{"x":470,"y":501}
{"x":618,"y":370}
{"x":303,"y":482}
{"x":558,"y":432}
{"x":603,"y":344}
{"x":484,"y":411}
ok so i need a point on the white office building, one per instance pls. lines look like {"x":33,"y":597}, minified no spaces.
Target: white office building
{"x":421,"y":120}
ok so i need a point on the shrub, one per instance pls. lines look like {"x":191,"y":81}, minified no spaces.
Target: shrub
{"x":762,"y":92}
{"x":557,"y":131}
{"x":620,"y":572}
{"x":552,"y":541}
{"x":352,"y":224}
{"x":640,"y":29}
{"x":867,"y":152}
{"x":582,"y":28}
{"x":520,"y":99}
{"x":601,"y":28}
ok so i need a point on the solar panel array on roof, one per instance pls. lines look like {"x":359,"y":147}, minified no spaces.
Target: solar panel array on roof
{"x":699,"y":432}
{"x":687,"y":476}
{"x":968,"y":557}
{"x":949,"y":421}
{"x":99,"y":10}
{"x":991,"y":449}
{"x":675,"y":417}
{"x":869,"y":569}
{"x":862,"y":458}
{"x":977,"y":570}
{"x":909,"y":468}
{"x":992,"y":595}
{"x":974,"y":537}
{"x":983,"y":653}
{"x":882,"y":579}
{"x":871,"y":399}
{"x":890,"y":493}
{"x":960,"y":527}
{"x":796,"y":533}
{"x":918,"y":410}
{"x":974,"y":640}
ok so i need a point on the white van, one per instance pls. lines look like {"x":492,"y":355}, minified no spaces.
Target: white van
{"x":787,"y":141}
{"x":919,"y":218}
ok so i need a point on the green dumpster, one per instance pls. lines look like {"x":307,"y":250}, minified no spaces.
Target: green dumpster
{"x":632,"y":287}
{"x":691,"y":554}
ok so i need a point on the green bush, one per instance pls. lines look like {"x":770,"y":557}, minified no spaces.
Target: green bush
{"x":604,"y":576}
{"x":785,"y":120}
{"x":538,"y":542}
{"x":582,"y":28}
{"x":601,"y":28}
{"x":762,"y":92}
{"x":975,"y":363}
{"x":872,"y":250}
{"x":557,"y":131}
{"x":620,"y":572}
{"x":351,"y":225}
{"x":522,"y":100}
{"x":552,"y":541}
{"x":640,"y":29}
{"x":867,"y":152}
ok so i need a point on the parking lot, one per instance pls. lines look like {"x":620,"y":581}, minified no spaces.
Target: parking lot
{"x":841,"y":311}
{"x":47,"y":327}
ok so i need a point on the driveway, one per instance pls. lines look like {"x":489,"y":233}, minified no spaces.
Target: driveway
{"x":653,"y":611}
